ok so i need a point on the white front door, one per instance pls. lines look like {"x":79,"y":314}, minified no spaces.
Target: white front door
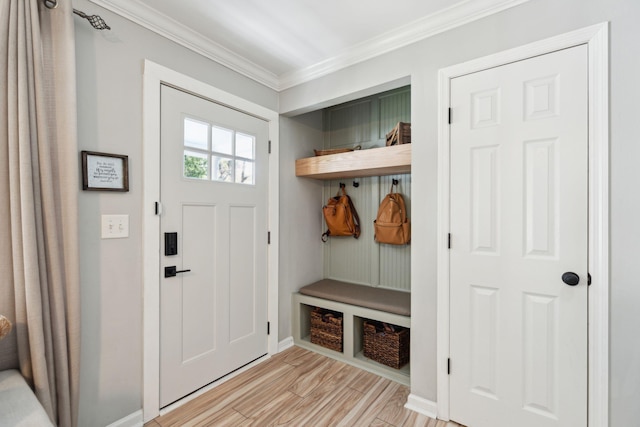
{"x":214,"y":182}
{"x":518,"y":338}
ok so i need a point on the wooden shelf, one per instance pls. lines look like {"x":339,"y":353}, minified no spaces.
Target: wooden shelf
{"x":372,"y":162}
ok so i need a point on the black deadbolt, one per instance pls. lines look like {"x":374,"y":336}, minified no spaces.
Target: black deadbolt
{"x":570,"y":278}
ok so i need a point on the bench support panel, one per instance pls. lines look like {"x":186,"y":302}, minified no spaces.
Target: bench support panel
{"x":353,"y":317}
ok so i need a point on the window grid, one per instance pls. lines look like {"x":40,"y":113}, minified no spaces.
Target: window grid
{"x":223,"y":164}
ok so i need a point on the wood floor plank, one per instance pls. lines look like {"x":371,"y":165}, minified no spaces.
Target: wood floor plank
{"x":269,"y":414}
{"x":259,"y":396}
{"x":222,"y":396}
{"x":300,"y":359}
{"x":394,"y":411}
{"x":337,"y":408}
{"x":379,"y":423}
{"x":310,"y":412}
{"x":291,"y":354}
{"x":318,"y":398}
{"x":418,"y":420}
{"x":364,"y":381}
{"x":307,"y":383}
{"x":226,"y":417}
{"x":366,"y":403}
{"x":300,"y":388}
{"x":377,"y":405}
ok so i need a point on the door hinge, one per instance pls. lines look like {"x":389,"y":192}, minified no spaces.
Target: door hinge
{"x":268,"y":328}
{"x":449,"y":115}
{"x":448,"y":366}
{"x":588,"y":279}
{"x":268,"y":237}
{"x":449,"y":241}
{"x":157,"y":208}
{"x":269,"y":146}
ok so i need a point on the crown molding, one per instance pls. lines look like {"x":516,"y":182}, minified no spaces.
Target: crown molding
{"x":441,"y":21}
{"x":428,"y":26}
{"x":168,"y":27}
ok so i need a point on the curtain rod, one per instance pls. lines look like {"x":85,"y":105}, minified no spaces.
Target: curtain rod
{"x":95,"y":20}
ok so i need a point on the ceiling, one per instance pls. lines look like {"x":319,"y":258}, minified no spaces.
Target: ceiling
{"x":282,"y":43}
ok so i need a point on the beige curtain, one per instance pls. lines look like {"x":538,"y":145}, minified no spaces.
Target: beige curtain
{"x":38,"y":198}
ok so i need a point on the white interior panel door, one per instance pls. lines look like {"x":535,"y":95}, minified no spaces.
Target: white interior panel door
{"x":214,"y":182}
{"x":519,"y":191}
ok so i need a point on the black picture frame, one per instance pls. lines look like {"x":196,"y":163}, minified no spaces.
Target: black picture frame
{"x":104,"y":171}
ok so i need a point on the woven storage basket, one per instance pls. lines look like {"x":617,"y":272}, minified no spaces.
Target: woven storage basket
{"x":326,"y":329}
{"x":400,"y":134}
{"x":386,"y":344}
{"x":336,"y":150}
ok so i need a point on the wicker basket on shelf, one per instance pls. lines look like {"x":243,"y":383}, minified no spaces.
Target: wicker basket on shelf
{"x":386,"y":344}
{"x":400,"y":134}
{"x":335,"y":150}
{"x":326,"y":328}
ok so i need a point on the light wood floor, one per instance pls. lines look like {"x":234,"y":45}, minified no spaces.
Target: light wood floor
{"x":300,"y":388}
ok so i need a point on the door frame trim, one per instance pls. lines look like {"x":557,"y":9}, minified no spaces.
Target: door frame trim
{"x":596,"y":38}
{"x":153,"y":76}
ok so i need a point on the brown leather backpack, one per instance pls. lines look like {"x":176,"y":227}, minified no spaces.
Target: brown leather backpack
{"x":392,"y":225}
{"x":341,"y":216}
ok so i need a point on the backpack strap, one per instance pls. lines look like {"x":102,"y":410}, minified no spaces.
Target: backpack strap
{"x":355,"y":217}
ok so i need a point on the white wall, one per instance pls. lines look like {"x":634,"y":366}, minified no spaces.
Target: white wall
{"x":110,"y":99}
{"x":532,"y":21}
{"x":110,"y":65}
{"x":300,"y":213}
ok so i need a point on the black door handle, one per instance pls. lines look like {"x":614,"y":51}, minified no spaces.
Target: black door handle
{"x":570,"y":278}
{"x":171,"y":271}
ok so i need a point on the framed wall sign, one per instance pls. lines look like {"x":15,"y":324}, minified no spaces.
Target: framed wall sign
{"x":104,"y":172}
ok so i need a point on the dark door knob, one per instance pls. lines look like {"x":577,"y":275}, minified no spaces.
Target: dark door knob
{"x":570,"y":278}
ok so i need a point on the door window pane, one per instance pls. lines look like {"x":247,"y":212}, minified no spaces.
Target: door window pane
{"x":196,"y":165}
{"x":221,"y":140}
{"x":217,"y":153}
{"x":244,"y":146}
{"x":244,"y":172}
{"x":196,"y":134}
{"x":222,"y":169}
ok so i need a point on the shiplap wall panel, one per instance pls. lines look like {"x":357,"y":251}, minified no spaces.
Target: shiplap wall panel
{"x":349,"y":125}
{"x":363,"y":261}
{"x":395,"y":260}
{"x":347,"y":258}
{"x":393,"y":108}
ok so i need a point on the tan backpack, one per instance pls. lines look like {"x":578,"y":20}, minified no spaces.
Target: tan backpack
{"x":392,"y":225}
{"x":341,"y":216}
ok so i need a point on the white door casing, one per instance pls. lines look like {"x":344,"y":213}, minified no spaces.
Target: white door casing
{"x":518,"y":345}
{"x":154,"y":76}
{"x":595,"y":38}
{"x":213,"y":318}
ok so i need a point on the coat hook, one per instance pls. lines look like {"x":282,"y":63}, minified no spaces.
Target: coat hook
{"x":342,"y":185}
{"x":356,"y":184}
{"x":395,"y":181}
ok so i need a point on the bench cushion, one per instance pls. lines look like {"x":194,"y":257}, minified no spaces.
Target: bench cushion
{"x":19,"y":407}
{"x":382,"y":299}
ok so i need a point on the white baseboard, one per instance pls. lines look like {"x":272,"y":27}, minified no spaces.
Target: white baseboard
{"x":133,"y":420}
{"x":285,"y":344}
{"x":422,"y":406}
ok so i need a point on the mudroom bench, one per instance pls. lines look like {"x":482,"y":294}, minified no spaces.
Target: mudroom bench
{"x":357,"y":304}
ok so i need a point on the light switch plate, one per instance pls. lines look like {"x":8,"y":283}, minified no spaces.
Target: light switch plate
{"x":115,"y":226}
